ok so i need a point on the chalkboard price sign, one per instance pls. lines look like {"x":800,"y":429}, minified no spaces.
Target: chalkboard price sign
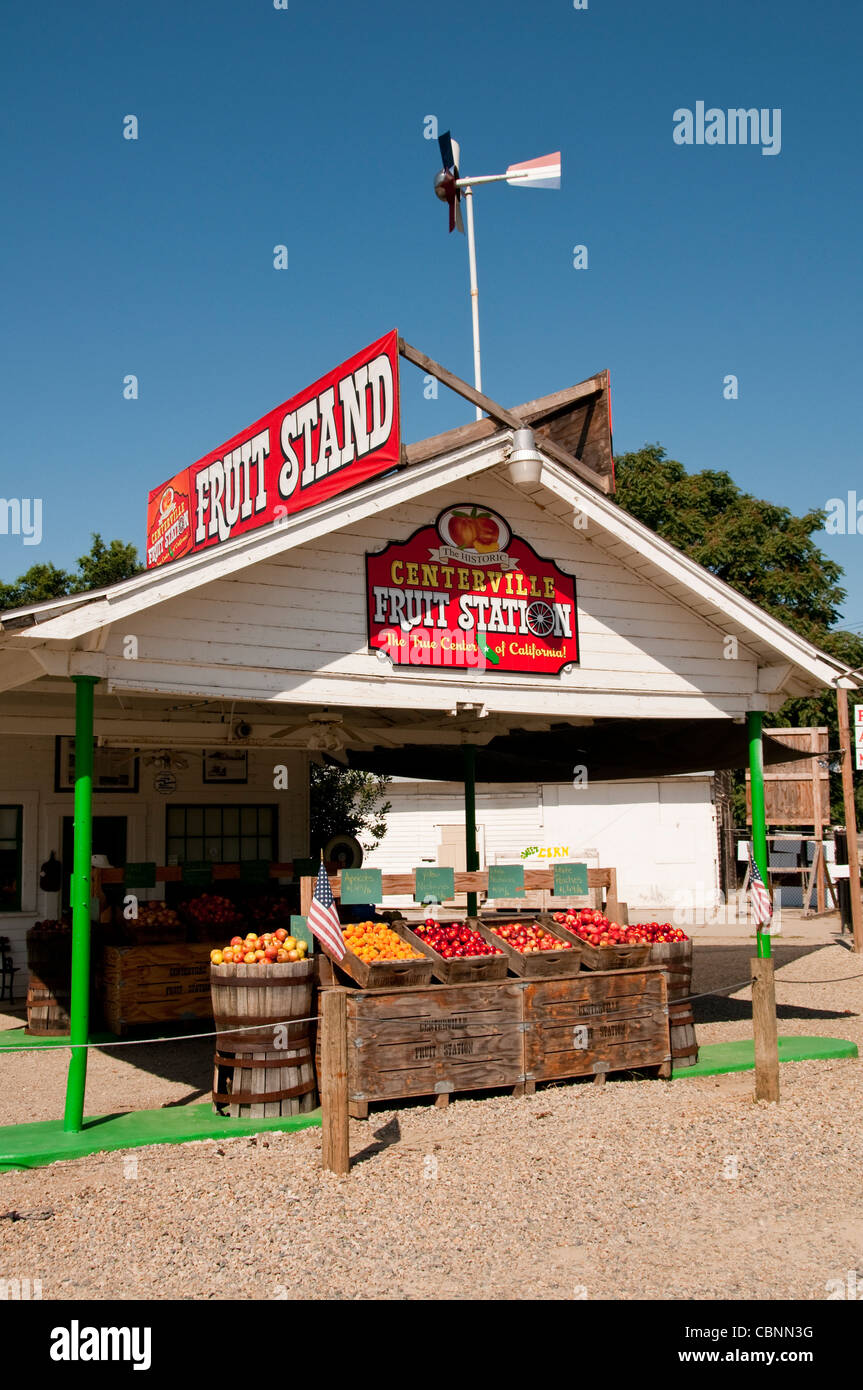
{"x":570,"y":880}
{"x":139,"y":875}
{"x":434,"y":882}
{"x":197,"y":873}
{"x":361,"y":886}
{"x":300,"y":932}
{"x":506,"y":881}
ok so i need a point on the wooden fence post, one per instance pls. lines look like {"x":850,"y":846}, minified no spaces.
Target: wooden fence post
{"x":764,"y":1029}
{"x":334,"y":1081}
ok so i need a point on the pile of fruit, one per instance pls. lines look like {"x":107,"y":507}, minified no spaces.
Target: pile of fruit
{"x":452,"y":939}
{"x":266,"y":908}
{"x":155,"y":915}
{"x":51,"y":924}
{"x":596,"y":930}
{"x":273,"y":948}
{"x":210,"y":910}
{"x":528,"y":938}
{"x":372,"y":941}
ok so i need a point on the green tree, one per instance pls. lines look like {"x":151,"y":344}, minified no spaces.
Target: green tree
{"x":760,"y":549}
{"x":103,"y":564}
{"x":347,"y":802}
{"x":763,"y":550}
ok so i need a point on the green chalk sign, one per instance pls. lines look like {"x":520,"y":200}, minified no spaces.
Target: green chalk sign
{"x":361,"y":886}
{"x":305,"y":868}
{"x":433,"y":882}
{"x":139,"y":875}
{"x":197,"y":873}
{"x":254,"y":870}
{"x":300,"y":931}
{"x":506,"y":881}
{"x":570,"y":880}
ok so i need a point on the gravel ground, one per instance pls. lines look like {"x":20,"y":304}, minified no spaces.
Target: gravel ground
{"x":639,"y":1189}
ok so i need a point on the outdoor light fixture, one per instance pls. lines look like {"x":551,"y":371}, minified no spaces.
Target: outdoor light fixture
{"x":525,"y":462}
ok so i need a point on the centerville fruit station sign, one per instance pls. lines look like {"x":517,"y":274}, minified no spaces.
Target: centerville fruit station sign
{"x":333,"y":436}
{"x":467,"y":592}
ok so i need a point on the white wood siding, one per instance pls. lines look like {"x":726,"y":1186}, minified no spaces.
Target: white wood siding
{"x":660,"y":835}
{"x":294,"y":627}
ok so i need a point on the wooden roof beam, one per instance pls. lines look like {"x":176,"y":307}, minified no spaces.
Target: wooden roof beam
{"x":500,"y":415}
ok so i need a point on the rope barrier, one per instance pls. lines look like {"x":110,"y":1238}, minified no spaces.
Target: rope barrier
{"x":315,"y":1018}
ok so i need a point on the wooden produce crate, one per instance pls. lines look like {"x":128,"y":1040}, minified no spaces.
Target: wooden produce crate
{"x":602,"y":957}
{"x":462,"y":969}
{"x":386,"y":974}
{"x":595,"y":1023}
{"x":155,"y":984}
{"x":417,"y":1042}
{"x":540,"y":964}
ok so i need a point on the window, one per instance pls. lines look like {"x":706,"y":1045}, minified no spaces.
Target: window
{"x":10,"y":858}
{"x":222,"y":834}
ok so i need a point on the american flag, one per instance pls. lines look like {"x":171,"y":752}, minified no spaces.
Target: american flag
{"x":762,"y":907}
{"x":323,"y":919}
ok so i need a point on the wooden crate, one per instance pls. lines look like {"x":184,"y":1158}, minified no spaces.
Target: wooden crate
{"x":543,"y":963}
{"x":602,"y":957}
{"x":386,"y":974}
{"x":463,"y":969}
{"x":418,"y":1042}
{"x":155,"y":984}
{"x":595,"y":1023}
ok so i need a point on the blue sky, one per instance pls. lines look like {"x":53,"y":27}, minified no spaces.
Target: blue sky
{"x":260,"y":126}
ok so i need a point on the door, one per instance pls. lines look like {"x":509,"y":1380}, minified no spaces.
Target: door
{"x":451,"y":847}
{"x":109,"y":838}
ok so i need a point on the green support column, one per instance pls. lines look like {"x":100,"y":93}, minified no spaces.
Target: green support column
{"x":471,"y":857}
{"x":754,"y":722}
{"x":79,"y":1006}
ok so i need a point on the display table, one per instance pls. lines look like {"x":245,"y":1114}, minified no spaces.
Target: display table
{"x":437,"y":1040}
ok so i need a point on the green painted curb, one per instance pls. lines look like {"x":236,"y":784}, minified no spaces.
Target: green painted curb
{"x":716,"y":1058}
{"x":31,"y":1145}
{"x":17,"y":1040}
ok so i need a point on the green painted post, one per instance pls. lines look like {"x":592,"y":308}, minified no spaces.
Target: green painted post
{"x":754,"y":722}
{"x":79,"y":1005}
{"x":471,"y":857}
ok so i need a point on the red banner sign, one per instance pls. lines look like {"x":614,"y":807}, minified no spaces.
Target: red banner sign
{"x":467,"y":592}
{"x":336,"y":434}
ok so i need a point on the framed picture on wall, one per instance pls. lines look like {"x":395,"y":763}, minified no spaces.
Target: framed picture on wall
{"x":226,"y":765}
{"x":114,"y":769}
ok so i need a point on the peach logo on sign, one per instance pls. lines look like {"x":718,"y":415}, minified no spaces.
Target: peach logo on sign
{"x":473,"y":536}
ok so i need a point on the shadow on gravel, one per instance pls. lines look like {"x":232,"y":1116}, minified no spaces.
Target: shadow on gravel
{"x":388,"y":1134}
{"x":718,"y":967}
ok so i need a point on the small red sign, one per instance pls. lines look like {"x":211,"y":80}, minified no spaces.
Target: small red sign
{"x":333,"y":436}
{"x":467,"y":592}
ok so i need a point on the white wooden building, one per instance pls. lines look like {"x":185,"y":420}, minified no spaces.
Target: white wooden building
{"x":659,"y":833}
{"x":261,"y":643}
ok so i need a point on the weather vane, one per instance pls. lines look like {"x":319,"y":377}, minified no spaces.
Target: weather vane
{"x":449,"y":185}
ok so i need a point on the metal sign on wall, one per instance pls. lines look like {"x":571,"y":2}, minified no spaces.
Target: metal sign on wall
{"x":336,"y":434}
{"x":467,"y":592}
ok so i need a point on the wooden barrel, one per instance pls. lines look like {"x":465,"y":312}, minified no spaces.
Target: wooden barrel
{"x":676,"y":959}
{"x":263,"y":1064}
{"x":49,"y":961}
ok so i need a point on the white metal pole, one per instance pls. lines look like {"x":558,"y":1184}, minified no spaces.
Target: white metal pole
{"x":474,"y":293}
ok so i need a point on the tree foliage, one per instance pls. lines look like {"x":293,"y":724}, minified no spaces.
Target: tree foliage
{"x":102,"y":565}
{"x":762,"y":550}
{"x":347,"y":802}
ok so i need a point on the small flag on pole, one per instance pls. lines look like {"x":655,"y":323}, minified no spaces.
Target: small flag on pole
{"x":323,"y":919}
{"x":762,"y":907}
{"x":543,"y":172}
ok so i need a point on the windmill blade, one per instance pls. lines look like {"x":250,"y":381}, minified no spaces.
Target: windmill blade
{"x":447,"y":153}
{"x":458,"y":219}
{"x":543,"y":172}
